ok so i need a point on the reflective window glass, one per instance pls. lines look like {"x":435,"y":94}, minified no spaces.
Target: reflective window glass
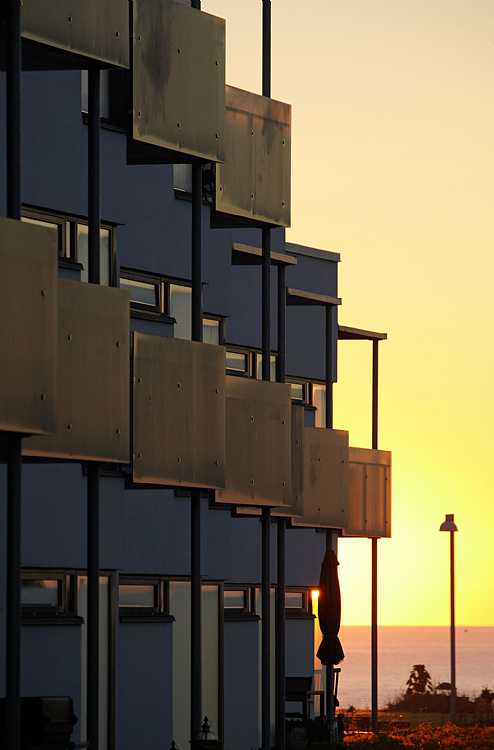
{"x":298,"y":391}
{"x":41,"y":593}
{"x":137,"y":595}
{"x":272,"y":364}
{"x":82,"y":253}
{"x":294,"y":600}
{"x":181,"y":310}
{"x":235,"y":599}
{"x":141,"y":292}
{"x":237,"y":362}
{"x":210,"y":331}
{"x":319,"y":401}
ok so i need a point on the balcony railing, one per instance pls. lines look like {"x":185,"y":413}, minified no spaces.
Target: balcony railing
{"x":72,"y":34}
{"x":28,"y":322}
{"x":178,"y":412}
{"x":369,"y":502}
{"x":253,"y":183}
{"x":178,"y":84}
{"x":258,"y":443}
{"x":92,"y":414}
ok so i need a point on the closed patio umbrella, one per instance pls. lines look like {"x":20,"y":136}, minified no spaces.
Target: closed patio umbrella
{"x":330,"y":652}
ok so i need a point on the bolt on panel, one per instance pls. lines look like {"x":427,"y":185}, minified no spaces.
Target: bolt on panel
{"x":179,"y":412}
{"x":258,"y":443}
{"x":370,"y":493}
{"x":321,"y":475}
{"x":253,"y":185}
{"x":28,"y":327}
{"x":74,"y":33}
{"x":178,"y":73}
{"x":93,"y":377}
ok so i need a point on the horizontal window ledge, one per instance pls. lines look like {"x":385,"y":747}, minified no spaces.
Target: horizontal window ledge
{"x":33,"y":619}
{"x":239,"y":617}
{"x":152,"y":316}
{"x":147,"y":619}
{"x":294,"y":615}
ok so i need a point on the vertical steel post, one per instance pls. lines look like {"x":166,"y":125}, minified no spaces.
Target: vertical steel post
{"x":13,"y":641}
{"x":374,"y":551}
{"x":14,"y":442}
{"x":452,"y":707}
{"x":266,"y":629}
{"x":195,"y":496}
{"x":266,"y":375}
{"x":281,"y":540}
{"x":93,"y":561}
{"x":328,"y":311}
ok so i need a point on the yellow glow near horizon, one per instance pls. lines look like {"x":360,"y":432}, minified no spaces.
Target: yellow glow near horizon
{"x":393,"y":157}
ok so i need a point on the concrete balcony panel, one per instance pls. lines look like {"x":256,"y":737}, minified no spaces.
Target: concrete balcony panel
{"x":258,"y":443}
{"x":179,"y":412}
{"x":369,"y":504}
{"x":28,"y":327}
{"x":178,"y":84}
{"x":93,"y":377}
{"x":252,"y":186}
{"x":320,"y":475}
{"x":61,"y":34}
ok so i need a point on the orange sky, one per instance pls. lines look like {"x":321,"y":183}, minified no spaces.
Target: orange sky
{"x":393,"y":164}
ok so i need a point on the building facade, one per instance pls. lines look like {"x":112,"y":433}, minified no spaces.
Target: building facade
{"x":144,"y":526}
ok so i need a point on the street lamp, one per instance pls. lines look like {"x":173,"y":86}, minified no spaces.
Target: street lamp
{"x":449,"y":525}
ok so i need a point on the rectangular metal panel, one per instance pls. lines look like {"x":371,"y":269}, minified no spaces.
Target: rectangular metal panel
{"x":320,"y":476}
{"x":70,"y":32}
{"x":254,"y":182}
{"x":369,"y":510}
{"x":28,"y":327}
{"x":179,"y":412}
{"x":258,"y":445}
{"x":178,"y":81}
{"x":93,"y":376}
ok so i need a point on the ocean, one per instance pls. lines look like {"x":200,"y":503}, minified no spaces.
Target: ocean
{"x":402,"y":647}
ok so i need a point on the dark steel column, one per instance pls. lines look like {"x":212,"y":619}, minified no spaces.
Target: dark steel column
{"x":266,"y":630}
{"x":266,"y":375}
{"x":281,"y":554}
{"x":93,"y":561}
{"x":13,"y":640}
{"x":374,"y":551}
{"x":14,"y":442}
{"x":195,"y":496}
{"x":328,"y":311}
{"x":452,"y":706}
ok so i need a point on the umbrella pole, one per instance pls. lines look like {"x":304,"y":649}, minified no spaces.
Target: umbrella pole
{"x":331,"y":544}
{"x":374,"y":558}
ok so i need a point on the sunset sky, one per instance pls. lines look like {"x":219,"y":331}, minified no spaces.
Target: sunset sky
{"x":393,"y":165}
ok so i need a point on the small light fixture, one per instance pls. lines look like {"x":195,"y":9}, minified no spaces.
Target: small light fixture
{"x":449,"y":523}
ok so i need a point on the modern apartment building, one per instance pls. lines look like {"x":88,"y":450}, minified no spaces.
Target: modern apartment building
{"x":173,"y":491}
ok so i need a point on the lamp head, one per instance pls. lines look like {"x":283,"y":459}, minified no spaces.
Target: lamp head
{"x":449,"y":523}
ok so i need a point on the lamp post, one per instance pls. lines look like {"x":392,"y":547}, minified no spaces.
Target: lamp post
{"x":449,"y":525}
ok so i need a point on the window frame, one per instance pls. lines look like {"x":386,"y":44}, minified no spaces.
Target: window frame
{"x":65,"y":609}
{"x":247,"y":373}
{"x":160,"y":606}
{"x":305,"y":610}
{"x":248,"y":608}
{"x":306,"y":390}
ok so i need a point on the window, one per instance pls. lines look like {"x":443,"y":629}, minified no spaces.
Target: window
{"x":319,"y":401}
{"x":296,"y":601}
{"x":211,"y":331}
{"x":180,"y":308}
{"x":104,"y":93}
{"x":140,"y":597}
{"x":237,"y":363}
{"x":300,"y":392}
{"x":237,"y":601}
{"x":146,"y":292}
{"x":72,"y":240}
{"x":272,"y":366}
{"x":182,"y":178}
{"x":46,"y":594}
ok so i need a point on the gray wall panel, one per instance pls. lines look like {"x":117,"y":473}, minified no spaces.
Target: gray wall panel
{"x":241,"y":685}
{"x":144,"y":686}
{"x":299,"y":648}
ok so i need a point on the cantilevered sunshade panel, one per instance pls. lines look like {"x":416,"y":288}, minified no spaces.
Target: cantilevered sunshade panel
{"x":253,"y":184}
{"x":28,"y":328}
{"x":258,"y":443}
{"x":178,"y":412}
{"x":369,"y":512}
{"x":93,"y":413}
{"x":178,"y":84}
{"x":64,"y":34}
